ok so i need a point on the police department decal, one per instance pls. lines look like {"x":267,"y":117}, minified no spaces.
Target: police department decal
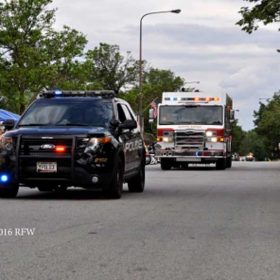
{"x":133,"y":145}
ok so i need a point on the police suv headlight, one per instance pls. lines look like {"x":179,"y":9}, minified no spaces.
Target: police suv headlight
{"x":99,"y":140}
{"x":94,"y":142}
{"x":6,"y":143}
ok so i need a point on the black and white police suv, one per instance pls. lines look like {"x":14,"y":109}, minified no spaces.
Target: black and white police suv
{"x":86,"y":139}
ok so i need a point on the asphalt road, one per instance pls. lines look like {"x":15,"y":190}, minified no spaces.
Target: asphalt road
{"x":197,"y":224}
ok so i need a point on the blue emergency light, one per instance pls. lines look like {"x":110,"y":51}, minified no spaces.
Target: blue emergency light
{"x":57,"y":92}
{"x":4,"y":178}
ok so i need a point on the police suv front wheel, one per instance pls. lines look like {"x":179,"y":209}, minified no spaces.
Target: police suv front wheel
{"x":115,"y":188}
{"x":137,"y":183}
{"x":9,"y":191}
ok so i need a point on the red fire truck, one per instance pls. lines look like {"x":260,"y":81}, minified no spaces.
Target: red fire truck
{"x":194,"y":127}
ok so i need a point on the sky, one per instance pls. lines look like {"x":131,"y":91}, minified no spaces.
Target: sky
{"x":202,"y":43}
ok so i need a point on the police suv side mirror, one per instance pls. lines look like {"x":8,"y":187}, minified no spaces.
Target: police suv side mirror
{"x":114,"y":123}
{"x":128,"y":124}
{"x":9,"y":124}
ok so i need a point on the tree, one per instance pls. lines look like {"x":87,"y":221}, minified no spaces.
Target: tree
{"x":254,"y":143}
{"x":110,"y":69}
{"x":155,"y":82}
{"x":268,"y":125}
{"x":32,"y":54}
{"x":265,"y":11}
{"x":237,"y":137}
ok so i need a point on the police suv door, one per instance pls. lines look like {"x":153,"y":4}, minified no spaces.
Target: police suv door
{"x":129,"y":139}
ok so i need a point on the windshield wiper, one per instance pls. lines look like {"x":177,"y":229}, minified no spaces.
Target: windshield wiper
{"x":72,"y":124}
{"x":34,"y":124}
{"x":190,"y":123}
{"x":163,"y":123}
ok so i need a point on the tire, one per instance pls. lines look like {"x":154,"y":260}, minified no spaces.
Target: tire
{"x":137,"y":183}
{"x":60,"y":188}
{"x":221,"y":164}
{"x":9,"y":191}
{"x":45,"y":189}
{"x":115,"y":188}
{"x":184,"y":166}
{"x":229,"y":162}
{"x":165,"y":164}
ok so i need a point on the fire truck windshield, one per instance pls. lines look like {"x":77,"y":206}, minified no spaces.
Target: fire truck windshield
{"x":188,"y":114}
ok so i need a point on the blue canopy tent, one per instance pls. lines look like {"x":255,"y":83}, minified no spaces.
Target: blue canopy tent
{"x":6,"y":115}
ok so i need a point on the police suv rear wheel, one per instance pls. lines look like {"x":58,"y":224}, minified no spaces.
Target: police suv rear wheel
{"x":137,"y":183}
{"x":9,"y":191}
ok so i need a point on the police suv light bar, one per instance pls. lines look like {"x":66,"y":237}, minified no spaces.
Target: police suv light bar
{"x":69,"y":93}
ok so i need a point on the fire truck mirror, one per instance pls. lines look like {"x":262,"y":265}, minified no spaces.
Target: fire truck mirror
{"x":232,"y":117}
{"x":151,"y":115}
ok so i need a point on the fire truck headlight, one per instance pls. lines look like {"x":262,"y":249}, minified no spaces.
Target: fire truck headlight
{"x":167,"y":139}
{"x":209,"y":133}
{"x":215,"y":139}
{"x":167,"y":136}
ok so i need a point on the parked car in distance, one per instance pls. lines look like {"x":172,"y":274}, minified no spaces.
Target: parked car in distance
{"x":250,"y":157}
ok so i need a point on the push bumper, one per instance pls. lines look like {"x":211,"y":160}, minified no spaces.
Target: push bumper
{"x":203,"y":156}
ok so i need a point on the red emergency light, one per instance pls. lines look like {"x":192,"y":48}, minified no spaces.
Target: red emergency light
{"x":60,"y":149}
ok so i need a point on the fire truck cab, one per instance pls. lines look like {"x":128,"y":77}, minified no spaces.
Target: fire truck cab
{"x":194,"y":127}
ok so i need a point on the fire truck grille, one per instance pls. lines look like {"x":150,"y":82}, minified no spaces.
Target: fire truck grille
{"x":189,"y":139}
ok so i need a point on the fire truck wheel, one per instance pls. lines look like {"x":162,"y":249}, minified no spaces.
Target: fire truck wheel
{"x":185,"y":166}
{"x":229,"y":162}
{"x":165,"y":164}
{"x":221,"y":164}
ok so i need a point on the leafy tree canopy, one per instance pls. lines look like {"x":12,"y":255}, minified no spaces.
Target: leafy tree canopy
{"x":112,"y":70}
{"x":265,"y":11}
{"x":267,"y":120}
{"x":237,"y":137}
{"x":32,"y":53}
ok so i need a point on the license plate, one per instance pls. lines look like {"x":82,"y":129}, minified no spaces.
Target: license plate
{"x":46,"y":167}
{"x":192,"y":159}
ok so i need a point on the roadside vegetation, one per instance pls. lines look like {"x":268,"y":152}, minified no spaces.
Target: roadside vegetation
{"x":34,"y":56}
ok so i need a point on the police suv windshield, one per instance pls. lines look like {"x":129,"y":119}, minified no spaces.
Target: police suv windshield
{"x":68,"y":112}
{"x":181,"y":114}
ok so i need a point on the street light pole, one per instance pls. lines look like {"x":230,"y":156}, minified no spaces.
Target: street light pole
{"x":140,"y":108}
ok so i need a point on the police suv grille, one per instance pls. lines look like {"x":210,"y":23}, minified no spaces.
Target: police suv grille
{"x":43,"y":147}
{"x":34,"y":150}
{"x":189,"y":139}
